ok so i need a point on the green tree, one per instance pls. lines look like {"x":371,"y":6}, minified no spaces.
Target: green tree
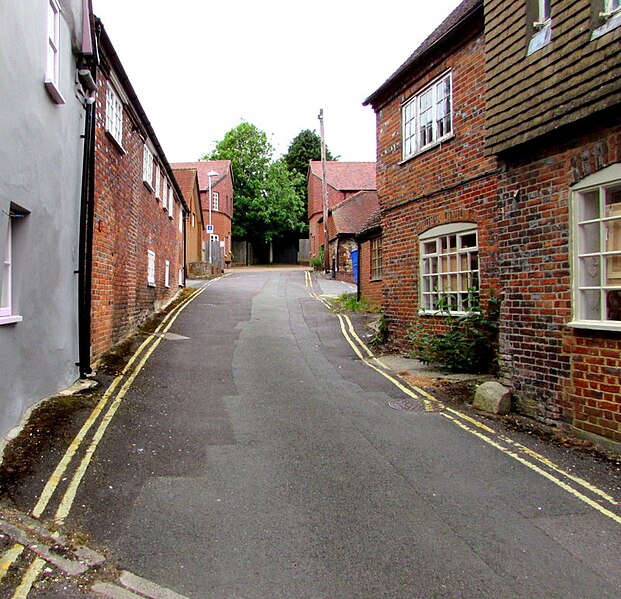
{"x":267,"y":204}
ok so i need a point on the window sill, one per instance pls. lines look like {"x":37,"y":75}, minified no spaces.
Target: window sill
{"x":148,"y":185}
{"x":375,"y":279}
{"x":13,"y":318}
{"x":596,"y":325}
{"x":54,"y":92}
{"x":151,"y":285}
{"x":432,"y":146}
{"x":612,"y":23}
{"x":116,"y":143}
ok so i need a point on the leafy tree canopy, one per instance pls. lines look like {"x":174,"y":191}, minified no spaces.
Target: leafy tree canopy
{"x":306,"y":146}
{"x":267,"y":201}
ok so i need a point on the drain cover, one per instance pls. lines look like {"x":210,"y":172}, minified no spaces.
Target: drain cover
{"x":407,"y":405}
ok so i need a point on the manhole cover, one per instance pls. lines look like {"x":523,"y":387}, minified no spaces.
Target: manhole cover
{"x":408,"y":405}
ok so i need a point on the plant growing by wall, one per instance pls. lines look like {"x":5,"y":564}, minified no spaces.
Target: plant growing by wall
{"x":468,"y":344}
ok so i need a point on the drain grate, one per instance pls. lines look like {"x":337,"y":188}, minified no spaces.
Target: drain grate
{"x":408,"y":405}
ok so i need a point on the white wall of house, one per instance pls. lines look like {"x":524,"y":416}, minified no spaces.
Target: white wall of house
{"x":40,"y":172}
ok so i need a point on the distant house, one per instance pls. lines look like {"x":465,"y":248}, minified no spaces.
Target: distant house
{"x":344,"y":222}
{"x":343,"y":180}
{"x":219,"y":211}
{"x":194,"y":224}
{"x":438,"y":187}
{"x":47,"y":58}
{"x":554,"y":122}
{"x":371,"y":261}
{"x":139,"y":211}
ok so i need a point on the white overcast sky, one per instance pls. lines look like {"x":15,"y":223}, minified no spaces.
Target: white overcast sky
{"x":201,"y":67}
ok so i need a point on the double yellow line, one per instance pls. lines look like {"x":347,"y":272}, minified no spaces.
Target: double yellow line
{"x":110,"y":402}
{"x":576,"y":486}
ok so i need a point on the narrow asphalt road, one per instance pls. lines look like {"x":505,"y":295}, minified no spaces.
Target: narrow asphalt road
{"x":256,"y":456}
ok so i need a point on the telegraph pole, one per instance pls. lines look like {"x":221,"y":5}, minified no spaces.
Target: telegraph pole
{"x":324,"y":196}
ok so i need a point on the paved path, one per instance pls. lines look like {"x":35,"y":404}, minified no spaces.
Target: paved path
{"x":257,"y":455}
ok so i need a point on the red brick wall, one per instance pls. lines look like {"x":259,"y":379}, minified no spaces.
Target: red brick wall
{"x":453,"y":182}
{"x":559,"y":374}
{"x":370,"y":290}
{"x":128,"y":221}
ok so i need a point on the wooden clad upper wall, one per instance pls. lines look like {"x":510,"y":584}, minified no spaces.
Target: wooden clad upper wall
{"x":566,"y":80}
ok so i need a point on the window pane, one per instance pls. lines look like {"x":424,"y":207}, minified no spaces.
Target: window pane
{"x":443,"y":107}
{"x":613,"y":305}
{"x":590,"y":304}
{"x":425,"y":111}
{"x":590,"y":271}
{"x":588,"y":206}
{"x":589,"y":238}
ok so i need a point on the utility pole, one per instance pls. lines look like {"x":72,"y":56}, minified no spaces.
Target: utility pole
{"x":324,"y":196}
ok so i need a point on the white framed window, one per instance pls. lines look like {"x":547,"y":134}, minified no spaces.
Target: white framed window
{"x":193,"y":220}
{"x":543,"y":14}
{"x":215,"y":200}
{"x":171,"y":201}
{"x":215,"y":238}
{"x":449,"y":269}
{"x":150,"y":268}
{"x":6,"y":284}
{"x":52,"y":67}
{"x":180,"y":219}
{"x":596,"y":250}
{"x":180,"y":281}
{"x":427,"y":117}
{"x":158,"y":182}
{"x":166,"y":273}
{"x":147,"y":167}
{"x":164,"y":193}
{"x":114,"y":115}
{"x":377,"y":260}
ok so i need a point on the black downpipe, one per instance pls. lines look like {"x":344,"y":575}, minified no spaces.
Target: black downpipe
{"x":86,"y":243}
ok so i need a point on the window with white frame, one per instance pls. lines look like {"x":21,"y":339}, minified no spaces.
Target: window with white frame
{"x":193,"y":220}
{"x":171,"y":201}
{"x":180,"y":219}
{"x":180,"y":281}
{"x":7,"y":315}
{"x":164,"y":193}
{"x":150,"y":268}
{"x":596,"y":244}
{"x":449,"y":268}
{"x":215,"y":200}
{"x":114,"y":115}
{"x":52,"y":68}
{"x":427,"y":117}
{"x":166,"y":273}
{"x":215,"y":238}
{"x":158,"y":182}
{"x":377,"y":260}
{"x":543,"y":13}
{"x":147,"y":167}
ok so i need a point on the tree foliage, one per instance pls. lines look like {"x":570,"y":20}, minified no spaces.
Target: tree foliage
{"x":267,"y":201}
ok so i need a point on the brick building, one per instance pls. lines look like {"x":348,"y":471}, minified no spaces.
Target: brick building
{"x":139,"y":210}
{"x":371,"y":261}
{"x":554,"y":122}
{"x":221,"y":216}
{"x":194,"y":224}
{"x":343,"y":180}
{"x":344,"y":222}
{"x":437,"y":188}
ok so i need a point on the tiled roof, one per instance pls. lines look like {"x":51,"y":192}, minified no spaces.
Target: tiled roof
{"x":375,"y":221}
{"x":346,"y":176}
{"x":460,"y":14}
{"x":203,"y":167}
{"x":186,"y":177}
{"x":351,"y":215}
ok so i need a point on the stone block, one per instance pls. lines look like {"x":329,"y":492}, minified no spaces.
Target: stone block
{"x":493,"y":398}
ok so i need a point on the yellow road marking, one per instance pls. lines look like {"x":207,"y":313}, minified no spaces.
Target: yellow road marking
{"x":9,"y":557}
{"x":21,"y":592}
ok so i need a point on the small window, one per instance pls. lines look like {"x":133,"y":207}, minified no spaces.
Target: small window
{"x":147,"y":167}
{"x":427,"y":117}
{"x":150,"y":268}
{"x":597,"y":250}
{"x":166,"y":274}
{"x":193,"y":220}
{"x":52,"y":69}
{"x":214,"y":238}
{"x":164,"y":193}
{"x":377,"y":260}
{"x":7,"y":315}
{"x":543,"y":15}
{"x":180,"y":219}
{"x":180,"y":282}
{"x":449,"y":269}
{"x":215,"y":204}
{"x":114,"y":115}
{"x":158,"y":182}
{"x":171,"y":201}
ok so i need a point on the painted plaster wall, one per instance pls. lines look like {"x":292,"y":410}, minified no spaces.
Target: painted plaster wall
{"x":40,"y":170}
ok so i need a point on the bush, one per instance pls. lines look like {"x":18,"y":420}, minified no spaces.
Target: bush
{"x":469,"y":343}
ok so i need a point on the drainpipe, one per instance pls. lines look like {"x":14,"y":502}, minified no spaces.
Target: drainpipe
{"x":85,"y":268}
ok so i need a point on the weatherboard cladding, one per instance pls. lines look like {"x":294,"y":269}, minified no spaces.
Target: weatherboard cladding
{"x":568,"y":79}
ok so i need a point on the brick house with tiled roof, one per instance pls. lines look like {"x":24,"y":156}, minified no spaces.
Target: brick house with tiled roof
{"x":344,"y":222}
{"x":343,"y":179}
{"x":222,"y":200}
{"x":370,"y":260}
{"x":194,"y":224}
